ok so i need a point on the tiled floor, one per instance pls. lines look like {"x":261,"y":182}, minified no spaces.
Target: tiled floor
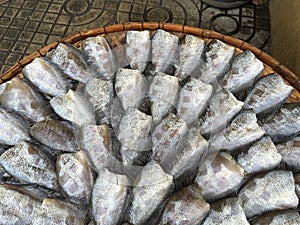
{"x":27,"y":25}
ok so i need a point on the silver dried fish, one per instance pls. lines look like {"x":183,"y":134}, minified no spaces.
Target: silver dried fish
{"x":71,"y":61}
{"x":193,"y":100}
{"x":100,"y":57}
{"x":117,"y":113}
{"x":18,"y":96}
{"x":75,"y":176}
{"x":30,"y":165}
{"x":261,"y":156}
{"x":243,"y":130}
{"x":217,"y":61}
{"x":268,"y":94}
{"x":46,"y":77}
{"x":222,"y":108}
{"x":150,"y":188}
{"x":219,"y":175}
{"x":190,"y":52}
{"x":54,"y":134}
{"x":227,"y":211}
{"x":244,"y":70}
{"x":138,"y":49}
{"x":285,"y":124}
{"x":286,"y":217}
{"x":186,"y":206}
{"x":131,"y":87}
{"x":110,"y":197}
{"x":13,"y":130}
{"x":266,"y":192}
{"x":74,"y":108}
{"x":164,"y":51}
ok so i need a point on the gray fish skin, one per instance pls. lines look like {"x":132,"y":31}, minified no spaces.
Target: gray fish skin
{"x":30,"y":165}
{"x":244,"y":70}
{"x":110,"y":197}
{"x":166,"y":136}
{"x":187,"y":155}
{"x":287,"y":217}
{"x":97,"y":142}
{"x":285,"y":124}
{"x":74,"y":108}
{"x":46,"y":77}
{"x":117,"y":113}
{"x":134,"y":132}
{"x":54,"y":134}
{"x":186,"y":206}
{"x":218,"y":58}
{"x":164,"y":50}
{"x":16,"y":207}
{"x":226,"y":212}
{"x":243,"y":130}
{"x":163,"y":91}
{"x":12,"y":129}
{"x":71,"y":61}
{"x":75,"y":176}
{"x":100,"y":57}
{"x":222,"y":108}
{"x":138,"y":49}
{"x":131,"y":87}
{"x":18,"y":96}
{"x":290,"y":152}
{"x":268,"y":94}
{"x":150,"y":188}
{"x":218,"y":176}
{"x":57,"y":212}
{"x":100,"y":93}
{"x":190,"y":52}
{"x":261,"y":156}
{"x":266,"y":192}
{"x":193,"y":100}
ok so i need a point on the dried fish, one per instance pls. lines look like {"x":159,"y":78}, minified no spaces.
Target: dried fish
{"x":100,"y":93}
{"x":290,"y":152}
{"x":268,"y":94}
{"x":44,"y":75}
{"x":218,"y":176}
{"x":131,"y":87}
{"x":74,"y":108}
{"x":164,"y":51}
{"x":138,"y":49}
{"x":75,"y":176}
{"x":71,"y":61}
{"x":244,"y":70}
{"x":186,"y":206}
{"x":117,"y":113}
{"x":266,"y":192}
{"x":243,"y":130}
{"x":150,"y":188}
{"x":190,"y":52}
{"x":222,"y":108}
{"x":100,"y":57}
{"x":285,"y":124}
{"x":286,"y":217}
{"x":193,"y":100}
{"x":217,"y":62}
{"x":16,"y":206}
{"x":54,"y":134}
{"x":12,"y":128}
{"x":18,"y":96}
{"x":29,"y":164}
{"x":261,"y":156}
{"x":54,"y":211}
{"x":227,"y":211}
{"x":110,"y":197}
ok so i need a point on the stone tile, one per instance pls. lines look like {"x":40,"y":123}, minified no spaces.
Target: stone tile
{"x":125,"y":7}
{"x":63,"y":19}
{"x":6,"y":45}
{"x":37,"y":16}
{"x":33,"y":47}
{"x":19,"y":47}
{"x":54,"y":8}
{"x":13,"y":57}
{"x":26,"y":36}
{"x":32,"y":25}
{"x":18,"y":23}
{"x":11,"y":34}
{"x":30,"y":4}
{"x":24,"y":14}
{"x":59,"y":29}
{"x":122,"y":17}
{"x":42,"y":6}
{"x":10,"y":12}
{"x":39,"y":38}
{"x":112,"y":5}
{"x":3,"y":56}
{"x":45,"y":28}
{"x":50,"y":17}
{"x":138,"y":8}
{"x":53,"y":38}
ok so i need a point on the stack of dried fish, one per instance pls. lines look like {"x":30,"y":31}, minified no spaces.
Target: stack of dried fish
{"x":186,"y":133}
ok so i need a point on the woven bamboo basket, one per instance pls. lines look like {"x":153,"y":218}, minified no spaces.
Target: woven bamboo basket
{"x":115,"y":35}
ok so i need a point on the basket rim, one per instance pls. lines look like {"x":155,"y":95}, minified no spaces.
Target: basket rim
{"x":279,"y":68}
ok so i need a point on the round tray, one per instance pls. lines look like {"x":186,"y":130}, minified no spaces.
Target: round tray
{"x":115,"y":35}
